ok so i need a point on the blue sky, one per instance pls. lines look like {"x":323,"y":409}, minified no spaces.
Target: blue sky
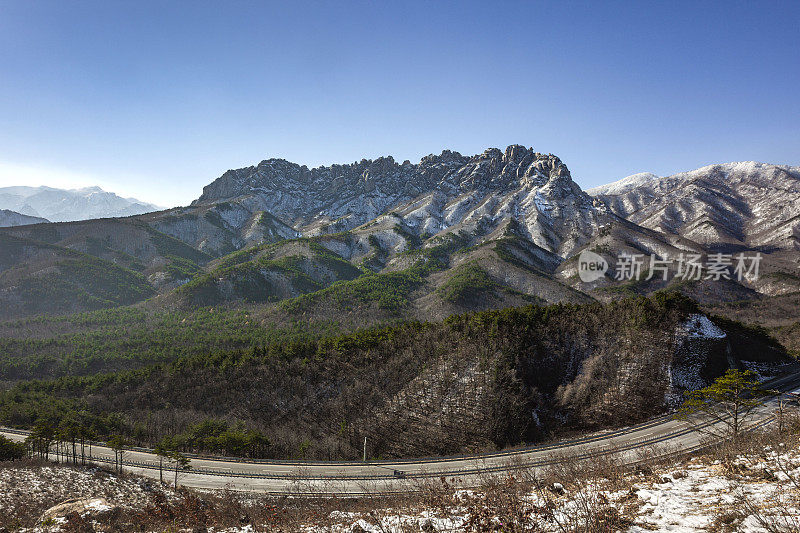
{"x":157,"y":99}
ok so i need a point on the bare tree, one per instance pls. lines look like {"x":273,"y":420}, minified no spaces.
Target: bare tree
{"x":118,"y":443}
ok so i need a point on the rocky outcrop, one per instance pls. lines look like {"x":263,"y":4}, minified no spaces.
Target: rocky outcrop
{"x":701,"y":354}
{"x":301,"y":196}
{"x":81,"y":506}
{"x":445,"y":192}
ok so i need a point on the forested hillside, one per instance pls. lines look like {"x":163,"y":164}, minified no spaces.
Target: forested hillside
{"x":263,"y":292}
{"x":473,"y":382}
{"x":780,"y":315}
{"x":128,"y":338}
{"x":39,"y":278}
{"x":59,"y":269}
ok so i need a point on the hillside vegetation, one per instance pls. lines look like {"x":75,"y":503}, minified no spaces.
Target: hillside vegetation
{"x":267,"y":274}
{"x":473,"y":382}
{"x":58,"y":269}
{"x":256,"y":295}
{"x":367,"y":276}
{"x":129,"y":337}
{"x":780,"y":315}
{"x":54,"y":280}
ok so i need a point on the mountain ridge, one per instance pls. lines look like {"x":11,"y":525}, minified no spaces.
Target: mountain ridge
{"x":10,"y":218}
{"x":739,"y":204}
{"x":452,"y":233}
{"x":438,"y":193}
{"x":68,"y":205}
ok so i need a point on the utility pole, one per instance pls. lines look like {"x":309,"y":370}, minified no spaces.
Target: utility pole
{"x":365,"y":449}
{"x":780,"y":413}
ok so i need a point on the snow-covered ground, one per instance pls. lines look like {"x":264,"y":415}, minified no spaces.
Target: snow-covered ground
{"x":750,"y":492}
{"x":27,"y":491}
{"x":697,"y":495}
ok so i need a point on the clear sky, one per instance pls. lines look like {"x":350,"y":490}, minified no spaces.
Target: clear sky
{"x":157,"y":99}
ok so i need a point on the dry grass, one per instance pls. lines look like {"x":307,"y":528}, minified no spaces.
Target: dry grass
{"x":598,"y":494}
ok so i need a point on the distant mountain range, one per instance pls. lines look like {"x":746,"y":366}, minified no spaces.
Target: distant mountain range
{"x":61,"y":205}
{"x":12,"y":218}
{"x":377,"y":239}
{"x":747,"y":205}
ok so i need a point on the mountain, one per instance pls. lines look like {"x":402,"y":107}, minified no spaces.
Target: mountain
{"x":220,"y":228}
{"x":444,"y":193}
{"x":376,"y":240}
{"x":66,"y":267}
{"x":12,"y":218}
{"x":36,"y":278}
{"x":449,"y":234}
{"x":61,"y":205}
{"x":726,"y":208}
{"x":730,"y":206}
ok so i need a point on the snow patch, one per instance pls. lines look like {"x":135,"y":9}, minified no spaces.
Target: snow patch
{"x":699,"y":326}
{"x":542,"y":204}
{"x":624,"y":185}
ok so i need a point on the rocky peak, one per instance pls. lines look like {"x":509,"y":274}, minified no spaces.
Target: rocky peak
{"x":493,"y":166}
{"x":515,"y":152}
{"x":517,"y":166}
{"x":341,"y":197}
{"x":445,"y":158}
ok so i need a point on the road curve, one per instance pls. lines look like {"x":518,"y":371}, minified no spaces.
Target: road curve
{"x":663,"y":435}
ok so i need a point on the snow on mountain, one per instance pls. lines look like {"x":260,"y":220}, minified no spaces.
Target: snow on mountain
{"x":442,"y":193}
{"x":624,"y":185}
{"x":61,"y":205}
{"x":742,"y":204}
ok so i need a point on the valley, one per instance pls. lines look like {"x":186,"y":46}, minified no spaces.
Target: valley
{"x":289,"y":267}
{"x":310,"y":308}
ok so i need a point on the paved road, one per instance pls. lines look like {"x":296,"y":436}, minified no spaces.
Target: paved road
{"x":662,"y":435}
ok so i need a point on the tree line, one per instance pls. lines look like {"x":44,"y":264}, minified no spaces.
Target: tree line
{"x":474,"y":382}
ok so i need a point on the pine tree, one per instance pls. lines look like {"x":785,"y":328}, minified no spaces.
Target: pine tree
{"x":724,"y":408}
{"x":181,"y":462}
{"x":118,"y":443}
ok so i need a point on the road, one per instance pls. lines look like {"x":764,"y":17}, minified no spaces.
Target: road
{"x":660,"y":436}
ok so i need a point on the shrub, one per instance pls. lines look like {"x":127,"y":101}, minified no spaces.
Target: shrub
{"x":10,"y":450}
